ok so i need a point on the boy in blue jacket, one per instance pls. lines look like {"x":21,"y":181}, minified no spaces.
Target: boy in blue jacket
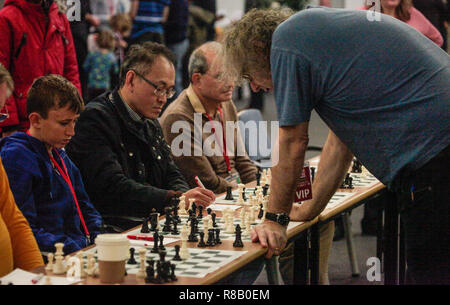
{"x":46,"y":185}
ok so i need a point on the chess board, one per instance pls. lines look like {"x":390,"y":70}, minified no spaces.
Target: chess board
{"x":337,"y":199}
{"x":200,"y":264}
{"x":363,"y":180}
{"x":219,"y":222}
{"x":221,"y":199}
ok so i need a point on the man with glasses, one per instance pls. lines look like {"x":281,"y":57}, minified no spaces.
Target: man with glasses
{"x":209,"y":98}
{"x":119,"y":146}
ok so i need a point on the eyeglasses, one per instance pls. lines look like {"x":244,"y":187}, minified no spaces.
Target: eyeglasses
{"x":247,"y":77}
{"x":159,"y":91}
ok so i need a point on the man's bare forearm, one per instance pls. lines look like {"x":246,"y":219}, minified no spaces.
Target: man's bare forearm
{"x":334,"y":163}
{"x":292,"y":146}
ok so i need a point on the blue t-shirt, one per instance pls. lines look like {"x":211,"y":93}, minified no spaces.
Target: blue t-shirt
{"x":381,"y":86}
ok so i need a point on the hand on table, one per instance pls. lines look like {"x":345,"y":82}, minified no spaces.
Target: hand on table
{"x":202,"y":196}
{"x":271,"y":235}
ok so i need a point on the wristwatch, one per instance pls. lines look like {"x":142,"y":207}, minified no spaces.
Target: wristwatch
{"x":281,"y":218}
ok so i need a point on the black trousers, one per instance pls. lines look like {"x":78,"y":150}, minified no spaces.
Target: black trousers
{"x":424,"y":204}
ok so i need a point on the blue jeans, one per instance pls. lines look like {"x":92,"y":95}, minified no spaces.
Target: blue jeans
{"x":179,"y":49}
{"x":423,"y":197}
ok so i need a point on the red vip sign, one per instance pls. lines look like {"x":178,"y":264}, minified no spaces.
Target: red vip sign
{"x":304,"y":188}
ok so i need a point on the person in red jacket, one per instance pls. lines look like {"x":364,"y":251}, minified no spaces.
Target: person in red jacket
{"x":35,"y":40}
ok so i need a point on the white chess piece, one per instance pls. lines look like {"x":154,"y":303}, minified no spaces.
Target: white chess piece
{"x":58,"y":266}
{"x":141,"y":273}
{"x":80,"y":256}
{"x":191,"y":201}
{"x":90,"y":265}
{"x":264,"y":210}
{"x":74,"y":268}
{"x":247,"y":229}
{"x":182,"y":206}
{"x":49,"y":266}
{"x":184,"y":251}
{"x":158,"y":226}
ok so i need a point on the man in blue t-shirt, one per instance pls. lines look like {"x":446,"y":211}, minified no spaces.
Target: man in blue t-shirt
{"x":383,"y":89}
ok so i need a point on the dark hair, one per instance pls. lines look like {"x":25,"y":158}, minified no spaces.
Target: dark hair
{"x":53,"y":91}
{"x":141,"y":57}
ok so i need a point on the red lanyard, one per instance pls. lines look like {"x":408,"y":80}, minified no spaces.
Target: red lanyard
{"x":225,"y":154}
{"x":66,"y":178}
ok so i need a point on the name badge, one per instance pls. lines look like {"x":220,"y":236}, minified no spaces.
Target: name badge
{"x":234,"y":177}
{"x":304,"y":187}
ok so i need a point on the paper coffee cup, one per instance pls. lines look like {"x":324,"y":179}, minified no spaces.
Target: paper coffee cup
{"x":112,"y":253}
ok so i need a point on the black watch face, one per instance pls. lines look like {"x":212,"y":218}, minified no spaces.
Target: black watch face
{"x":283,"y":219}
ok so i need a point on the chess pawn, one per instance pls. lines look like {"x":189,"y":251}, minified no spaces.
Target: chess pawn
{"x":264,"y":210}
{"x":49,"y":266}
{"x":141,"y":273}
{"x":58,"y":266}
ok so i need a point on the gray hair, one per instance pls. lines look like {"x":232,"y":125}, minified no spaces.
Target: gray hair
{"x":198,"y":62}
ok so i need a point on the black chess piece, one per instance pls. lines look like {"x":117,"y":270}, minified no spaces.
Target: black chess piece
{"x":213,"y":217}
{"x":132,"y":261}
{"x":175,"y":229}
{"x":177,"y":253}
{"x":194,"y":208}
{"x":217,"y":240}
{"x":244,"y":197}
{"x":161,"y":242}
{"x":165,"y":272}
{"x":162,"y":256}
{"x":145,"y":228}
{"x":261,"y":211}
{"x":357,"y":166}
{"x":159,"y":279}
{"x":172,"y":272}
{"x":258,"y":178}
{"x":150,"y":271}
{"x":238,"y":240}
{"x":155,"y":242}
{"x":350,"y":182}
{"x":200,"y":212}
{"x":176,"y":218}
{"x":209,"y":211}
{"x":211,"y":239}
{"x":192,"y":237}
{"x":153,"y":221}
{"x":167,"y":224}
{"x":201,"y":244}
{"x":265,"y":189}
{"x":229,"y":195}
